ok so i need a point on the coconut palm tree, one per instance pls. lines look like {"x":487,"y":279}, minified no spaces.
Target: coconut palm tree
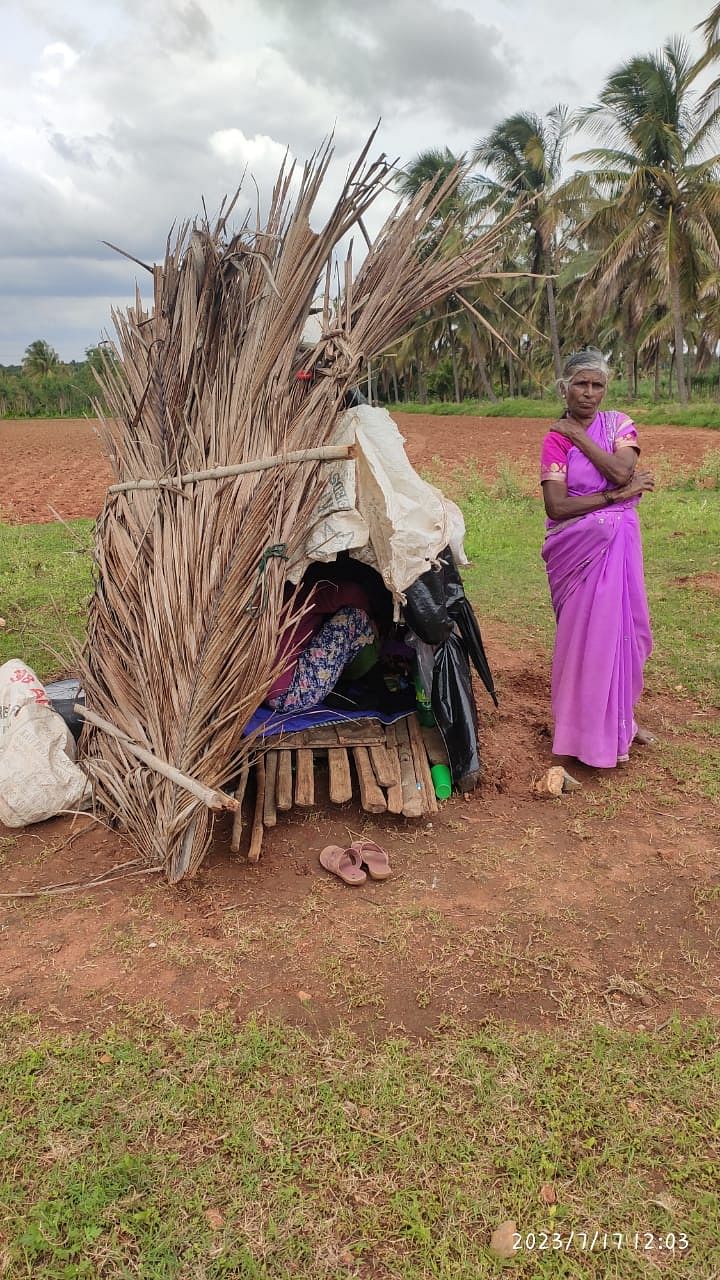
{"x":40,"y":359}
{"x":526,"y":153}
{"x":660,"y":189}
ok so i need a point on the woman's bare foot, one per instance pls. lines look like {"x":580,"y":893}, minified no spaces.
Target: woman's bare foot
{"x":644,"y":738}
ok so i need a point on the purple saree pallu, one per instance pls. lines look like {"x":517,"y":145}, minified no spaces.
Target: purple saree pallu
{"x":595,"y":570}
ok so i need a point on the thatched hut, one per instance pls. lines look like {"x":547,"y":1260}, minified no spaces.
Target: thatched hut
{"x":221,"y":425}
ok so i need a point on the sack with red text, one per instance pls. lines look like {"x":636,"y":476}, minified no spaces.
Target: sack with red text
{"x":38,"y":774}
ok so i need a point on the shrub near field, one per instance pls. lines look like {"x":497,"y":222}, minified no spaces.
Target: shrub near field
{"x":704,"y":414}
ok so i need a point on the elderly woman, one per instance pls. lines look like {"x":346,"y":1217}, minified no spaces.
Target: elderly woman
{"x":593,"y":554}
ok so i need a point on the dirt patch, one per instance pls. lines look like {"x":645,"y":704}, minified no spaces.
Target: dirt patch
{"x":60,"y":463}
{"x":709,"y":582}
{"x":600,"y":904}
{"x":51,"y":462}
{"x":488,"y":441}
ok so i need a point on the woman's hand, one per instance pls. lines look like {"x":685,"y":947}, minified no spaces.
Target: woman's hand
{"x":574,"y":431}
{"x":642,"y":482}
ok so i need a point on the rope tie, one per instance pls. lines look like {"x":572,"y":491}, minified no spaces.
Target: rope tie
{"x":257,"y":603}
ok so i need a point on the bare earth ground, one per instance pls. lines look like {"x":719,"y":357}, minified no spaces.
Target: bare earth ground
{"x":601,"y":904}
{"x":60,"y":463}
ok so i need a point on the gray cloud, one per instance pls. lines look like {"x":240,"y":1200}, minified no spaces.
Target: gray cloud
{"x":117,"y":118}
{"x":401,"y":52}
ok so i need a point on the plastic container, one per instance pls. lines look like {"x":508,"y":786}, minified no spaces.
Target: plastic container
{"x":423,"y":704}
{"x":442,"y":781}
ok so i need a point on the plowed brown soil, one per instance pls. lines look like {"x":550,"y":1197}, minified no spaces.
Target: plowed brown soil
{"x":60,"y":463}
{"x":601,"y":904}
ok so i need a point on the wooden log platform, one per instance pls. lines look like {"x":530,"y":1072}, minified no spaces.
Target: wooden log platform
{"x":387,"y":766}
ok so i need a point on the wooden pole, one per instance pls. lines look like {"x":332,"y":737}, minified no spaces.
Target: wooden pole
{"x":215,"y":800}
{"x":239,"y":796}
{"x":258,"y":830}
{"x":323,"y":453}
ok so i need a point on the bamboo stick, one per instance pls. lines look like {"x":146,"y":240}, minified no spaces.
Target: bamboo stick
{"x":215,"y":800}
{"x":239,"y":796}
{"x":323,"y":453}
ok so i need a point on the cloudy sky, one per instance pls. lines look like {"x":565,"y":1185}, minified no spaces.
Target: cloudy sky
{"x":118,"y":116}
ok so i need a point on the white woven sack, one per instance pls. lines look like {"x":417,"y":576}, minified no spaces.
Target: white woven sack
{"x":38,"y":774}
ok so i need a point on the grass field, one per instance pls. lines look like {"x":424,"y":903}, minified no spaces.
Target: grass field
{"x":257,"y":1152}
{"x":703,"y":413}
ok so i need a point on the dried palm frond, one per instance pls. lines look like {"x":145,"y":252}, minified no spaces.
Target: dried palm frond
{"x":188,"y":602}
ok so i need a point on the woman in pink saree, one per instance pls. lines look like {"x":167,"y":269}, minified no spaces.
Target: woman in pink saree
{"x":593,"y":554}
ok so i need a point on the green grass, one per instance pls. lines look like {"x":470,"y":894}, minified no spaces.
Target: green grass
{"x":164,"y":1153}
{"x":704,"y":413}
{"x":45,"y":582}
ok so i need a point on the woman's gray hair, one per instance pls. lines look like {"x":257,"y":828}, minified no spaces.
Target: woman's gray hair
{"x":590,"y":358}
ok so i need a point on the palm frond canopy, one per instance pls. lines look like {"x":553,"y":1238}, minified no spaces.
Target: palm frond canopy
{"x":189,"y":598}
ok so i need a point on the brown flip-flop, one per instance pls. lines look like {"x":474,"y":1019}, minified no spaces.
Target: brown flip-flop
{"x":343,"y":863}
{"x":373,"y":857}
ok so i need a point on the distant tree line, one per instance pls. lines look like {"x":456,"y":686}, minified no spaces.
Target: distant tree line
{"x":45,"y":387}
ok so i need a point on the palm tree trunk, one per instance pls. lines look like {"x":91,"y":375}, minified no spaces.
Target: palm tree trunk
{"x":630,"y":370}
{"x":679,"y":337}
{"x":552,"y":320}
{"x":453,"y":357}
{"x":421,"y":394}
{"x":485,"y":385}
{"x":393,"y":375}
{"x":656,"y":392}
{"x":511,"y":377}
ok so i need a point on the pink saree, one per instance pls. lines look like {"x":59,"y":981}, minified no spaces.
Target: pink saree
{"x":595,"y":571}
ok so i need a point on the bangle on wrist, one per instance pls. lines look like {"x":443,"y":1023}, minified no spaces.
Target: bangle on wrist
{"x":608,"y":496}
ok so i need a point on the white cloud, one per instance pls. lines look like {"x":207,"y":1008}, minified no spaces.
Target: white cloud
{"x":55,"y":61}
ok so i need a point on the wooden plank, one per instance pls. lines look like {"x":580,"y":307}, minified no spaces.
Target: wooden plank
{"x":412,"y":795}
{"x":353,"y":733}
{"x":304,"y":779}
{"x":382,"y":765}
{"x":422,"y":767}
{"x":371,"y":797}
{"x":239,"y":796}
{"x":395,"y":792}
{"x":390,"y":735}
{"x":258,"y":829}
{"x":270,"y":806}
{"x":360,"y":733}
{"x":341,"y":788}
{"x":434,"y":745}
{"x":284,"y":781}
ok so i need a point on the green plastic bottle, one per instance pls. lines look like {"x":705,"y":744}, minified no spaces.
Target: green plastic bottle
{"x":423,"y":705}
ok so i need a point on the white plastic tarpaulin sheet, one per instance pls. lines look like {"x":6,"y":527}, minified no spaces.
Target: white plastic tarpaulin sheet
{"x":379,"y":509}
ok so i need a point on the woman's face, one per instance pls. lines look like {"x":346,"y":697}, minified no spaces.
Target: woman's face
{"x":584,"y":394}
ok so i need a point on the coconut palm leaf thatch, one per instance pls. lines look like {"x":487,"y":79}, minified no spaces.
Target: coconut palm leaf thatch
{"x":188,"y":600}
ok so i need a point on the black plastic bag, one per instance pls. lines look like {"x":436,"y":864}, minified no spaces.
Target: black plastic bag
{"x":440,"y":614}
{"x":454,"y":709}
{"x":63,"y":695}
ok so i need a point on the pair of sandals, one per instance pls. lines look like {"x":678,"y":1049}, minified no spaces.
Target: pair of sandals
{"x":353,"y":865}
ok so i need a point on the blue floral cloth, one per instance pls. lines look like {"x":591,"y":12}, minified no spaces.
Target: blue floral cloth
{"x":325,"y":657}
